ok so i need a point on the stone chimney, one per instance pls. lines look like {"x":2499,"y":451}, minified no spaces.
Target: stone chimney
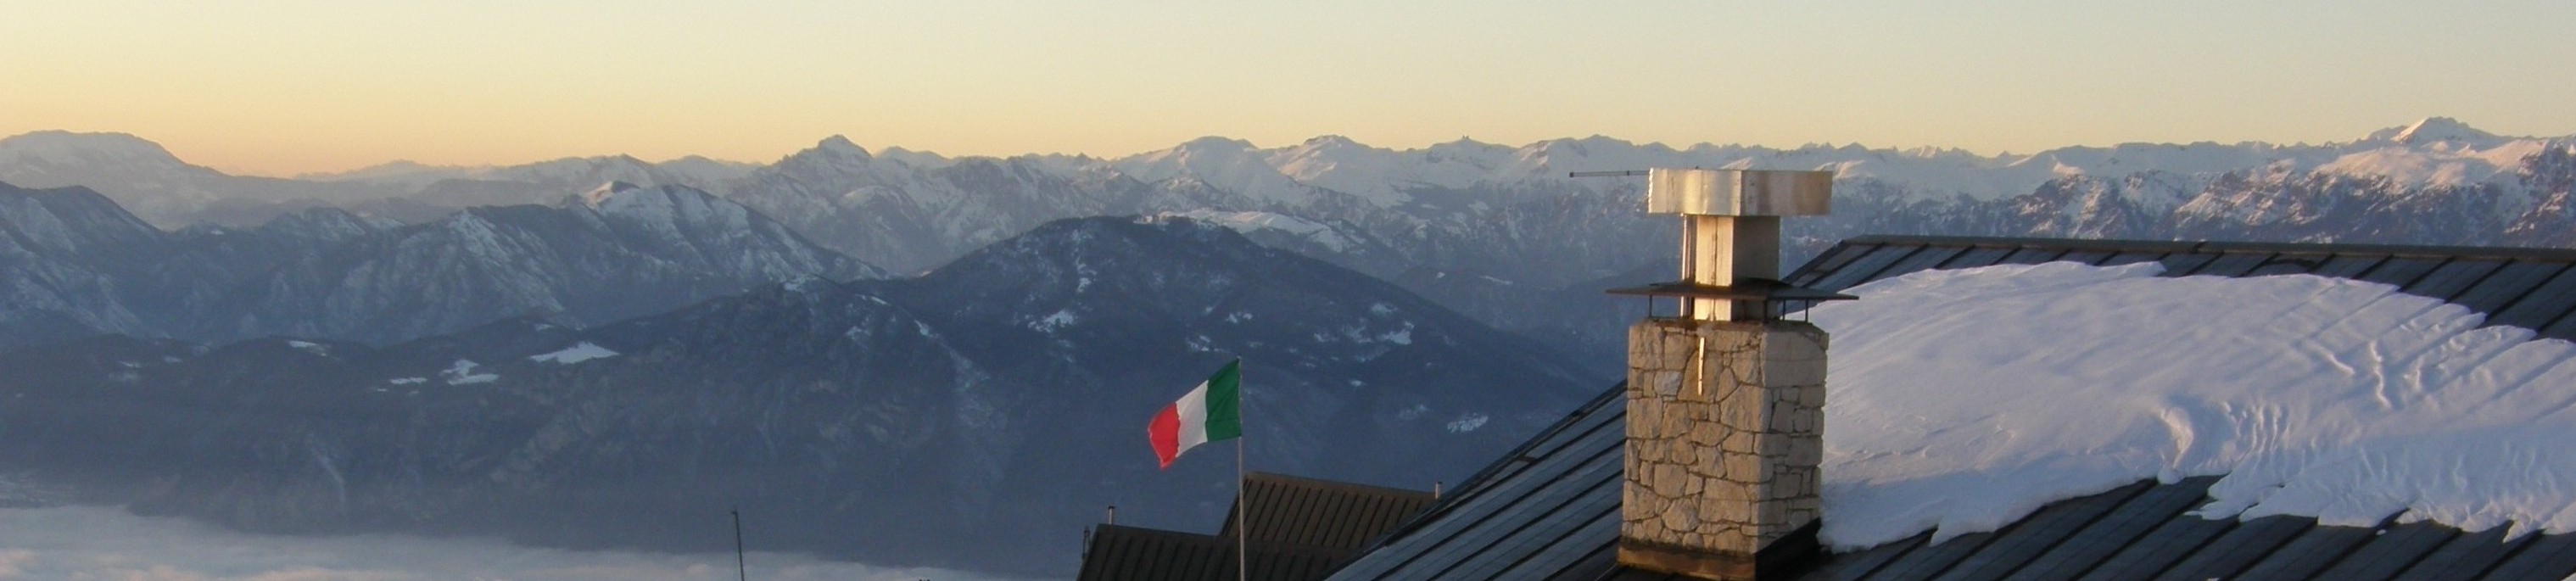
{"x":1726,"y":399}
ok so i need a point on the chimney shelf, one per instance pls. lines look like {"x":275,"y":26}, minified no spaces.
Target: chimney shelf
{"x":1766,"y":294}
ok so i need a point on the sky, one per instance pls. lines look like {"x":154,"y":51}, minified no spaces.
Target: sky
{"x":279,"y":87}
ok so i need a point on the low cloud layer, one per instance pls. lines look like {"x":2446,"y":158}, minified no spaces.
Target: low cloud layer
{"x":109,"y":544}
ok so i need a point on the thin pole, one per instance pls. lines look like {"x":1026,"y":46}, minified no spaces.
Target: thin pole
{"x":740,"y":571}
{"x":1243,"y":524}
{"x":1243,"y":518}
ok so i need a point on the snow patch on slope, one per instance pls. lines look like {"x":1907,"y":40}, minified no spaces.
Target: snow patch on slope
{"x":1249,"y":222}
{"x":1061,"y":318}
{"x":1965,"y":400}
{"x":579,"y":352}
{"x":462,"y":373}
{"x":2439,"y":164}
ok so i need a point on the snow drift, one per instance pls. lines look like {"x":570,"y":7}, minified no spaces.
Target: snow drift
{"x":1964,"y":400}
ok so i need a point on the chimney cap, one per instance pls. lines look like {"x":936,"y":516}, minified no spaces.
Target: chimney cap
{"x":1738,"y":192}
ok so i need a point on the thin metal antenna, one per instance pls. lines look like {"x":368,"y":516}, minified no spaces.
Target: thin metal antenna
{"x":740,"y":570}
{"x":1606,"y":174}
{"x":1243,"y":518}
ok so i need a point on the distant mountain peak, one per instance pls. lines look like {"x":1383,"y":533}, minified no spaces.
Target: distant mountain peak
{"x":391,"y":169}
{"x":1214,"y":143}
{"x":1331,"y":140}
{"x":2434,"y":129}
{"x":832,"y":152}
{"x":839,"y":144}
{"x":70,"y":147}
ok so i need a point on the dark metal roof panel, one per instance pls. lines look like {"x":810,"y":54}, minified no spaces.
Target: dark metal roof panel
{"x":1933,"y":559}
{"x":1524,"y":526}
{"x":2311,"y":552}
{"x":1124,"y":553}
{"x":2450,"y":280}
{"x":1972,"y":258}
{"x":1832,"y":260}
{"x":2391,"y":552}
{"x":1927,"y":258}
{"x":2464,"y":557}
{"x":2086,"y":256}
{"x":2402,"y":271}
{"x":2118,"y":530}
{"x":1595,"y":514}
{"x":2546,"y":303}
{"x":1141,"y":554}
{"x":1861,"y":269}
{"x":2039,"y":533}
{"x":2034,"y":255}
{"x":2184,"y":264}
{"x":2231,"y":264}
{"x":2287,"y":264}
{"x":1858,"y":565}
{"x":2127,"y":258}
{"x":2507,"y":285}
{"x":2250,"y":542}
{"x":2161,"y":550}
{"x":2547,"y":559}
{"x":2348,"y":266}
{"x":1509,"y":498}
{"x":1305,"y":512}
{"x":2565,"y":328}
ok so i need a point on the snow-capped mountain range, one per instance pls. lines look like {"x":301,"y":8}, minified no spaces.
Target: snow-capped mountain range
{"x":1495,"y":231}
{"x":73,"y":264}
{"x":977,"y":416}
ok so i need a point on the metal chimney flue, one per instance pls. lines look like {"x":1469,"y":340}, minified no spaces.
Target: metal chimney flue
{"x":1731,"y":227}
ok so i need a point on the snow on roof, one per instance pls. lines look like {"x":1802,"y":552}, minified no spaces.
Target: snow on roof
{"x":1964,"y":400}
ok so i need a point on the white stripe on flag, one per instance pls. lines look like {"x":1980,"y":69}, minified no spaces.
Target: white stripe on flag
{"x":1193,"y":412}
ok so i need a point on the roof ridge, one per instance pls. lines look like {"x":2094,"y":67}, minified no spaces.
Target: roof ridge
{"x":2221,"y":246}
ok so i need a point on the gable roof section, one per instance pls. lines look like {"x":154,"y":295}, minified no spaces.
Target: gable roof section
{"x":1127,"y":553}
{"x":1321,"y":514}
{"x":1549,"y":509}
{"x":1303,"y":529}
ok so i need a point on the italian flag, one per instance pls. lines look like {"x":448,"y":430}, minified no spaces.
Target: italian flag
{"x":1210,"y":413}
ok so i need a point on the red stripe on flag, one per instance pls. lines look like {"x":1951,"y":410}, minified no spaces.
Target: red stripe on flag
{"x":1165,"y":433}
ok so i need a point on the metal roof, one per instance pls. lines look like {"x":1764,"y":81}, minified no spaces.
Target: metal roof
{"x":1126,"y":553}
{"x":1322,"y":514}
{"x":1549,"y":509}
{"x":1302,"y":530}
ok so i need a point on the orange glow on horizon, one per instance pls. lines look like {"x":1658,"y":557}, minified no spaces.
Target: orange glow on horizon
{"x":279,"y":87}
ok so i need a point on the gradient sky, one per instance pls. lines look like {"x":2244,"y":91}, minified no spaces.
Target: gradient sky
{"x":281,"y":87}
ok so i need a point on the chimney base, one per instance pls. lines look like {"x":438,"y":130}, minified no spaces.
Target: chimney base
{"x":1724,"y":445}
{"x":1786,"y":558}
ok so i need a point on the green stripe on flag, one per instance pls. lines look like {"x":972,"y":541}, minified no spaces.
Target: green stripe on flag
{"x":1225,"y":403}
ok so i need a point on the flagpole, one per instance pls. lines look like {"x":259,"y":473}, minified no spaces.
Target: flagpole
{"x":1243,"y":518}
